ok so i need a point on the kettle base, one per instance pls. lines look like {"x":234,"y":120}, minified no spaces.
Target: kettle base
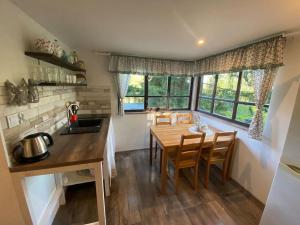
{"x":35,"y":159}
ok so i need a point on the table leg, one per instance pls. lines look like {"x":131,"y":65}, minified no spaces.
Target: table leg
{"x":164,"y":170}
{"x":100,"y":194}
{"x":151,"y":147}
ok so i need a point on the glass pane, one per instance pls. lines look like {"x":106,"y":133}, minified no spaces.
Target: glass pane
{"x":154,"y":102}
{"x":179,"y":102}
{"x":207,"y":85}
{"x":204,"y":104}
{"x":223,"y":108}
{"x":245,"y":113}
{"x":158,"y":85}
{"x":136,"y":85}
{"x":265,"y":113}
{"x":227,"y":85}
{"x":247,"y":90}
{"x":180,"y":86}
{"x":134,"y":103}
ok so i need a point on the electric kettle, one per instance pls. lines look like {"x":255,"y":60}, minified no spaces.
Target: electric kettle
{"x":33,"y":147}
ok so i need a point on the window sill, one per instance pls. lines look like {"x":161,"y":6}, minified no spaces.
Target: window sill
{"x":160,"y":111}
{"x":136,"y":112}
{"x":224,"y":121}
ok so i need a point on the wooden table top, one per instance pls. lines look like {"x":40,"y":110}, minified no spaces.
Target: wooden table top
{"x":70,"y":150}
{"x":169,"y":136}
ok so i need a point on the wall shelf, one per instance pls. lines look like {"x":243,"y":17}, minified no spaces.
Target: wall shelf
{"x":50,"y":58}
{"x":73,"y":178}
{"x":60,"y":84}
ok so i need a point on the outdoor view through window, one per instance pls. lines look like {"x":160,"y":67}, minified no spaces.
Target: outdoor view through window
{"x":164,"y":92}
{"x":229,"y":95}
{"x":226,"y":95}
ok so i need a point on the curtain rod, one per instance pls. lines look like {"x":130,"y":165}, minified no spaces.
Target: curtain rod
{"x":291,"y":33}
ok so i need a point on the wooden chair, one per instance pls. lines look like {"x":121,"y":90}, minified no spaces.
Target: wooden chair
{"x":184,"y":118}
{"x":220,"y":152}
{"x":188,"y":156}
{"x":162,"y":119}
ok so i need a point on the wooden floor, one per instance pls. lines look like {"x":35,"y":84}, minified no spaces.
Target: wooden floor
{"x":136,"y":199}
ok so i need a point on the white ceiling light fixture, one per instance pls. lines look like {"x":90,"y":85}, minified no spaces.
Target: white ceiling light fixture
{"x":200,"y":42}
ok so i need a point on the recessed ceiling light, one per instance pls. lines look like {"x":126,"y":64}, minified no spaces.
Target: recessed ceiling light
{"x":200,"y":42}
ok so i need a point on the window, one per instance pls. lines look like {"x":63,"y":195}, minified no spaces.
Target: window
{"x":135,"y":94}
{"x":246,"y":106}
{"x":229,"y":96}
{"x":164,"y":92}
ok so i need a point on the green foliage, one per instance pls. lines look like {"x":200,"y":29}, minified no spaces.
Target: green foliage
{"x":179,"y":103}
{"x":204,"y":104}
{"x":180,"y":86}
{"x":226,"y":89}
{"x":158,"y":86}
{"x":136,"y":86}
{"x":227,"y":86}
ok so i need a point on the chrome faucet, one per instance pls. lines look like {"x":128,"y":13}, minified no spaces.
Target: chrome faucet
{"x":72,"y":108}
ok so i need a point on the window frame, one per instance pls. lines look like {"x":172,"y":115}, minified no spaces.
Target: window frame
{"x":168,"y":96}
{"x":213,"y":98}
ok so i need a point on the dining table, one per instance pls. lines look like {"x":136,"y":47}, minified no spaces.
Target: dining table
{"x":168,"y":138}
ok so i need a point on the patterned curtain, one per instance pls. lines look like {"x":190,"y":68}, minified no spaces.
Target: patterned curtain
{"x":263,"y":81}
{"x":150,"y":66}
{"x":260,"y":55}
{"x":121,"y":81}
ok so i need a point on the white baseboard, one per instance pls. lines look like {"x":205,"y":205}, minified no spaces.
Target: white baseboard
{"x":51,"y":208}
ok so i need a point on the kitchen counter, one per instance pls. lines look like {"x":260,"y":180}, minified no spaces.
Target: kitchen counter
{"x":69,"y":150}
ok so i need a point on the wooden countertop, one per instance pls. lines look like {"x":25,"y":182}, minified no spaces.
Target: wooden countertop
{"x":71,"y":150}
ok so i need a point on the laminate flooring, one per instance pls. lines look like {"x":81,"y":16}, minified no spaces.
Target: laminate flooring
{"x":136,"y":199}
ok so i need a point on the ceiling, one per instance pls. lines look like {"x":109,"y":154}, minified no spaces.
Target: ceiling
{"x":163,"y":28}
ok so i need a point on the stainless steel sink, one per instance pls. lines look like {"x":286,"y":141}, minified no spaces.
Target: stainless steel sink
{"x":84,"y":125}
{"x":92,"y":122}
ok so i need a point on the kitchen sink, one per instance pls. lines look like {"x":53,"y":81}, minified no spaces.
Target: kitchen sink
{"x":93,"y":122}
{"x":83,"y":125}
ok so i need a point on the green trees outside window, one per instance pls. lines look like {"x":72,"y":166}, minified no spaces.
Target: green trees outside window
{"x":229,"y":96}
{"x":164,"y":92}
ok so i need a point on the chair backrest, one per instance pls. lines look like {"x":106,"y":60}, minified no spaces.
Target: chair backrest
{"x":190,"y":147}
{"x":185,"y":118}
{"x":163,"y":119}
{"x":222,"y":143}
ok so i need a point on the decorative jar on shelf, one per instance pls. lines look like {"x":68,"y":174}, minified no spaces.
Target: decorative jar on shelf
{"x":80,"y":64}
{"x":75,"y":57}
{"x":71,"y":59}
{"x":58,"y":51}
{"x":44,"y":45}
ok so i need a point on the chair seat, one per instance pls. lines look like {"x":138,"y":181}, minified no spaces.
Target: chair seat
{"x":185,"y":163}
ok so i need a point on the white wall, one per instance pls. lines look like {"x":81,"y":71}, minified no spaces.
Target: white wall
{"x":17,"y":34}
{"x":291,"y":153}
{"x":255,"y":162}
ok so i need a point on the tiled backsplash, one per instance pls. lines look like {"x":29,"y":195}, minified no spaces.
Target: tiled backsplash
{"x":50,"y":114}
{"x":95,"y":100}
